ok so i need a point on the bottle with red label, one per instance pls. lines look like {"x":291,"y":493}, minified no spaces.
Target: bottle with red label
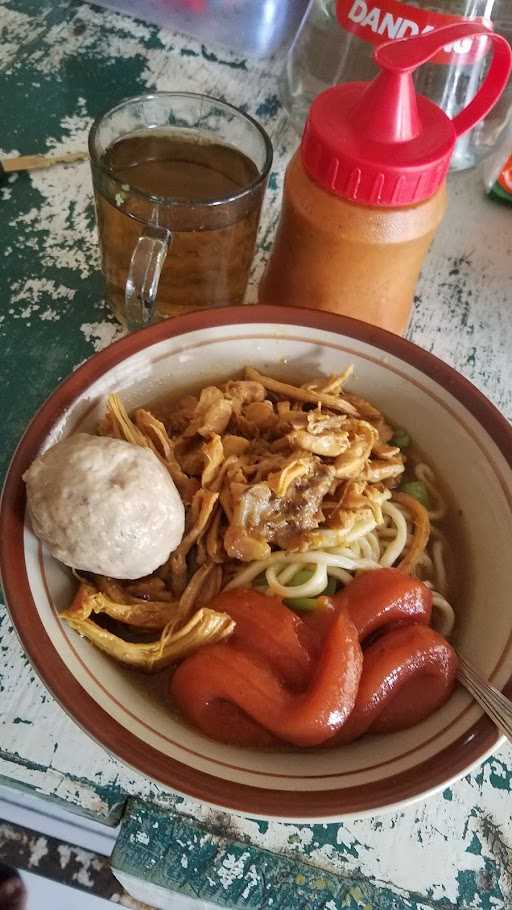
{"x":337,"y":38}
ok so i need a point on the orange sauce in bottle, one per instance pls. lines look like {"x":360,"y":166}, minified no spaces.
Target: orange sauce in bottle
{"x":360,"y":261}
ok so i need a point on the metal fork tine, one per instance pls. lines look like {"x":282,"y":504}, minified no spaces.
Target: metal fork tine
{"x":495,"y":712}
{"x":496,"y":705}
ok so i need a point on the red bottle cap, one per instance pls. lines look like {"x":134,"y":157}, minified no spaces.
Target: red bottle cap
{"x":380,"y":144}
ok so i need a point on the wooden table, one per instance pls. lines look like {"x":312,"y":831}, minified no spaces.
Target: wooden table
{"x":62,"y":62}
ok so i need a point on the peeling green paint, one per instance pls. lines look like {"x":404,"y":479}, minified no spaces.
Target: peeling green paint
{"x":108,"y":799}
{"x":213,"y":58}
{"x":273,"y":181}
{"x":348,"y":847}
{"x":475,"y":846}
{"x":500,"y":776}
{"x":152,"y":842}
{"x":268,"y":107}
{"x":471,"y":358}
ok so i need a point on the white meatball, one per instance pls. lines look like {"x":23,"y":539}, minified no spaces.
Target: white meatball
{"x":105,"y":506}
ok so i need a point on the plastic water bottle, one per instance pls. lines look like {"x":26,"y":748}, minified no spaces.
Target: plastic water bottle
{"x":337,"y":38}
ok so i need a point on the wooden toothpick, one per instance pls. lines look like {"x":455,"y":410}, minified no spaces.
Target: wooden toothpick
{"x":36,"y":162}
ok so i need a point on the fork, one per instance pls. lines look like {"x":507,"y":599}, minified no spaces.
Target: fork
{"x":496,"y":705}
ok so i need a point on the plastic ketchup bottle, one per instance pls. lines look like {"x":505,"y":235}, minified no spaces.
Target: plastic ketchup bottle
{"x":366,"y":191}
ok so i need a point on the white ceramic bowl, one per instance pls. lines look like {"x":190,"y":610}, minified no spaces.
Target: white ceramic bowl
{"x":462,"y":435}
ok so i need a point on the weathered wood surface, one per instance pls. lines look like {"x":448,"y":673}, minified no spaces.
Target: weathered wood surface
{"x":60,"y":64}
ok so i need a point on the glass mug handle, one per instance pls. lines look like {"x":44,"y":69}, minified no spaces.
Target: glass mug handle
{"x":144,"y":273}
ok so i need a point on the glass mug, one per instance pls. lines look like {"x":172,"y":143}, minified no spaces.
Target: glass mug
{"x":179,"y":180}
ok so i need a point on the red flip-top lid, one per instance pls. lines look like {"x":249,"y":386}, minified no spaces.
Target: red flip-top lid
{"x":378,"y":143}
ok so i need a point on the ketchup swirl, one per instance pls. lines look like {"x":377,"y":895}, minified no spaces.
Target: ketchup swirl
{"x":307,"y":681}
{"x":262,"y":688}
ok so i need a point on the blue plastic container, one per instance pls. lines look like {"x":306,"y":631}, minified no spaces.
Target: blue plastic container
{"x":253,"y":27}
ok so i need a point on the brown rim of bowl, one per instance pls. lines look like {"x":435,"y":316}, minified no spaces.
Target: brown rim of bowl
{"x":451,"y":762}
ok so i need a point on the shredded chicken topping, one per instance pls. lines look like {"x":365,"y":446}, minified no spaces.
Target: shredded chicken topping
{"x":263,"y":464}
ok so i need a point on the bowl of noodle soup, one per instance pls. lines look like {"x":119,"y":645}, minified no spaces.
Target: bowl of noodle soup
{"x":436,"y":441}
